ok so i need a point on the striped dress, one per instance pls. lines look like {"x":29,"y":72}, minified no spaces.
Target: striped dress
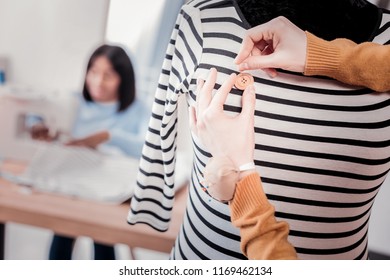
{"x":321,"y":147}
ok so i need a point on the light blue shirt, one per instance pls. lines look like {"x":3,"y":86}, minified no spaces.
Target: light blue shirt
{"x":127,"y":129}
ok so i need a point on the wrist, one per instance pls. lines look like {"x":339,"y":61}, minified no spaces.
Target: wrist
{"x":221,"y":176}
{"x":245,"y":173}
{"x":322,"y":56}
{"x":246,"y":168}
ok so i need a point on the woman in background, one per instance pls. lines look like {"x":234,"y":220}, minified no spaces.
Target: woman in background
{"x":110,"y":118}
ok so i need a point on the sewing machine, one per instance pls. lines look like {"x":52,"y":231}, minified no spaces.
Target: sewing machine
{"x":18,"y":106}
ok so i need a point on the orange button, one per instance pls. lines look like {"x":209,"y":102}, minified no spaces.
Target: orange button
{"x":243,"y":80}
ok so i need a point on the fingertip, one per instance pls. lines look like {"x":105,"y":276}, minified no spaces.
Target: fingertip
{"x":250,"y":90}
{"x":232,"y":79}
{"x":199,"y":82}
{"x":243,"y":66}
{"x":248,"y":103}
{"x":274,"y":73}
{"x":250,"y":95}
{"x":212,"y":74}
{"x":237,"y":59}
{"x":271,"y":72}
{"x":192,"y":116}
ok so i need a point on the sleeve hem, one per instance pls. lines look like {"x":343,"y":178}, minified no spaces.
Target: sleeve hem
{"x":249,"y":194}
{"x":322,"y":57}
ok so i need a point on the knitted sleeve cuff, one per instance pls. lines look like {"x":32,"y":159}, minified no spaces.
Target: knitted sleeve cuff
{"x":322,"y":57}
{"x":249,"y":195}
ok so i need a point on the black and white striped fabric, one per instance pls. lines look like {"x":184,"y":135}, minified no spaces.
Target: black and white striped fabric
{"x":322,"y":148}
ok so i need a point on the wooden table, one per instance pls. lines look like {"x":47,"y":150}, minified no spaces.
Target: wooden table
{"x":64,"y":215}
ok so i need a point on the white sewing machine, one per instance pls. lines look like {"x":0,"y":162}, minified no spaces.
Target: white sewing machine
{"x":18,"y":105}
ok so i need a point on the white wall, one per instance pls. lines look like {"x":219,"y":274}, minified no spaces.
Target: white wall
{"x":129,"y":30}
{"x":379,"y":232}
{"x":47,"y":42}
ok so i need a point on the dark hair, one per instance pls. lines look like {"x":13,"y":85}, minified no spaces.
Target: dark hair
{"x":122,"y":65}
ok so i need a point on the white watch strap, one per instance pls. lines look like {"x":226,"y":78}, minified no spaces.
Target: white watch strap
{"x":247,"y":166}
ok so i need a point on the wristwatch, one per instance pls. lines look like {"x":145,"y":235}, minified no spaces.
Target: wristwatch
{"x":221,"y":176}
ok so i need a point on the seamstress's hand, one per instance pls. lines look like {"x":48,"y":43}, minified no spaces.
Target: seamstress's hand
{"x":224,"y":135}
{"x":275,"y":44}
{"x":229,"y":139}
{"x":91,"y":141}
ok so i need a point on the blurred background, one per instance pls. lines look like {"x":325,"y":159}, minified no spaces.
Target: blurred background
{"x":44,"y":44}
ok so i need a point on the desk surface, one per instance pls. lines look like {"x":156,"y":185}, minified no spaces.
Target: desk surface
{"x":74,"y":217}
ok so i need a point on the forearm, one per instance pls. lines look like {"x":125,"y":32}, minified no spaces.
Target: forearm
{"x":262,"y":237}
{"x":365,"y":64}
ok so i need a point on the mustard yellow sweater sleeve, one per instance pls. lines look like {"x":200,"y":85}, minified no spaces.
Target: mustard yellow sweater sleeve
{"x":366,"y":64}
{"x":262,"y":236}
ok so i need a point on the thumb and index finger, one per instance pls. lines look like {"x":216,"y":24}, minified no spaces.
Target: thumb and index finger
{"x":259,"y":35}
{"x":248,"y":99}
{"x":263,"y":35}
{"x":248,"y":103}
{"x":205,"y":100}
